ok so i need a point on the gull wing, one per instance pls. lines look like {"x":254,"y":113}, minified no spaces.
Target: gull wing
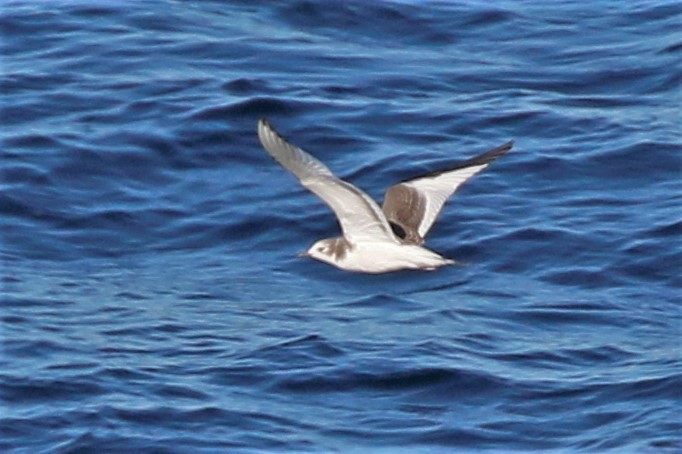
{"x":360,"y":217}
{"x":412,"y":206}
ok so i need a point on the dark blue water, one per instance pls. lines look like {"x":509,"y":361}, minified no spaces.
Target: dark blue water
{"x":152,"y":299}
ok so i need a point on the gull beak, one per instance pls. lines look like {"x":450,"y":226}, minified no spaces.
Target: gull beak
{"x":303,"y":254}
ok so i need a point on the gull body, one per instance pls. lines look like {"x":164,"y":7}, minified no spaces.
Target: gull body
{"x":375,"y":256}
{"x":376,"y":240}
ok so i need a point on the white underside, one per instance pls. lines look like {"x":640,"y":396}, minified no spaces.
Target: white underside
{"x":383,"y":256}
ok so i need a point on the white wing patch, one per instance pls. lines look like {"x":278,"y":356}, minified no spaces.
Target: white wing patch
{"x":437,"y":190}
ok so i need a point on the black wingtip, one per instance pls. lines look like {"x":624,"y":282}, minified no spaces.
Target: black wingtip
{"x":502,"y":148}
{"x":490,"y":155}
{"x":483,"y":158}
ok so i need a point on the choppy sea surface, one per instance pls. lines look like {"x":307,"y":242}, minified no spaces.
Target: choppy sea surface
{"x":152,"y":299}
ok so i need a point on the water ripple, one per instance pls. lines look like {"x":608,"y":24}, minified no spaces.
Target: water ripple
{"x":151,"y":294}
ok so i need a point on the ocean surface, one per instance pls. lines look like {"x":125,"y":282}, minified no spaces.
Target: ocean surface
{"x":152,"y":300}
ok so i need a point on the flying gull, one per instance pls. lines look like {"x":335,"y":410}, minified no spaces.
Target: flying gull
{"x":376,"y":240}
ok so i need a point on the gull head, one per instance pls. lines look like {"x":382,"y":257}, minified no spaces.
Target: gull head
{"x":322,"y":250}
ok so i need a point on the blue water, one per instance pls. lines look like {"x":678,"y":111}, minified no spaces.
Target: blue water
{"x":152,"y":299}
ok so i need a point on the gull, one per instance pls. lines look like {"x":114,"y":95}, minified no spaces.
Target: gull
{"x":376,"y":240}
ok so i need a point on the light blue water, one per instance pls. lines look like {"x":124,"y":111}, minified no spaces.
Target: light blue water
{"x":152,"y":299}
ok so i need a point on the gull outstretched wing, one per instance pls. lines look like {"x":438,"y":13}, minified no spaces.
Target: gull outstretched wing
{"x":414,"y":205}
{"x":360,"y":217}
